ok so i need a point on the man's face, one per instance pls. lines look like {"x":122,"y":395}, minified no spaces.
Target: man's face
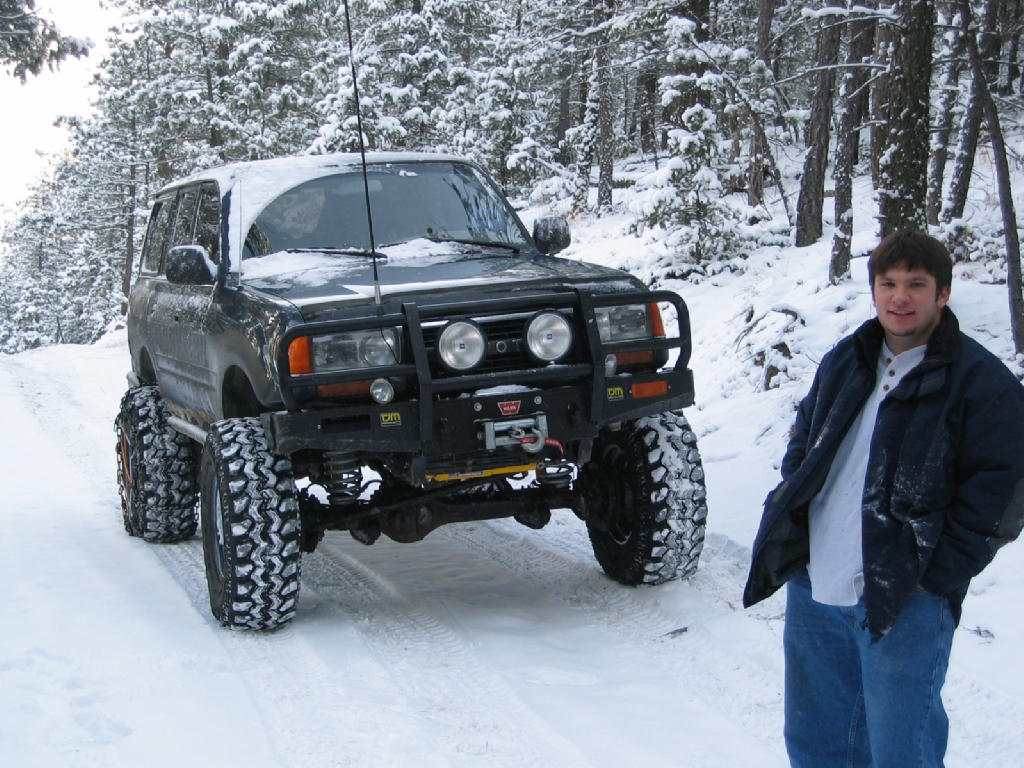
{"x":907,"y":306}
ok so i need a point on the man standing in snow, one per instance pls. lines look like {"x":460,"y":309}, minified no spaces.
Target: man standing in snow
{"x":904,"y":475}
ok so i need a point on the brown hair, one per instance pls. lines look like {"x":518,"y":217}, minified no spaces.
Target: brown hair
{"x":911,"y":250}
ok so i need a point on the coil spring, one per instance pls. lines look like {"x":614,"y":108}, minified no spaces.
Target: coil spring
{"x":344,"y":479}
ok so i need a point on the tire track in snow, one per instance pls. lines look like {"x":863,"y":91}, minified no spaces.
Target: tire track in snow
{"x":698,"y":665}
{"x":478,"y":715}
{"x":479,"y":719}
{"x":292,"y":690}
{"x":566,"y":556}
{"x":77,"y":430}
{"x":305,"y":717}
{"x":82,"y":430}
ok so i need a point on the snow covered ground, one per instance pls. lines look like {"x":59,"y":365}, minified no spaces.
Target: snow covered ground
{"x":486,"y":644}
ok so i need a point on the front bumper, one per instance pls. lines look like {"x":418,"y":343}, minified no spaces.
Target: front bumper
{"x":457,"y":426}
{"x":449,"y":417}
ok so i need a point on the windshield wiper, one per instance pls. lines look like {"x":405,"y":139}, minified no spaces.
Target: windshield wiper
{"x":348,"y":251}
{"x":483,"y":243}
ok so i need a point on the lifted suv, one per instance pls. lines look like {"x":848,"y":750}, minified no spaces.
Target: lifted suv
{"x":299,"y":380}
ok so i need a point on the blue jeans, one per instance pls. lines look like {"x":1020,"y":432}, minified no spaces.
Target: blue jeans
{"x":850,"y":703}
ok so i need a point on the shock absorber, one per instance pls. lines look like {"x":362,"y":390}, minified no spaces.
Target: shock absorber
{"x":344,"y":478}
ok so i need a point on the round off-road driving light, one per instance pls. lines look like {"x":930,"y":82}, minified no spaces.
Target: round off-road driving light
{"x":461,"y":345}
{"x":549,"y":336}
{"x":381,"y":391}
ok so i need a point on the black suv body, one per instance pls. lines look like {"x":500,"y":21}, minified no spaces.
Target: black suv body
{"x":308,"y":376}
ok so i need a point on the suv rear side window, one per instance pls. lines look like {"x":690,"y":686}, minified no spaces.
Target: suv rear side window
{"x":156,"y":238}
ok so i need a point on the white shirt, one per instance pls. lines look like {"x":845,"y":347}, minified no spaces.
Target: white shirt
{"x":836,"y":566}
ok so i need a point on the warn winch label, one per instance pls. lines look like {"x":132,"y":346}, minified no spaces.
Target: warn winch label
{"x":511,"y":408}
{"x":616,"y":393}
{"x":391,"y":419}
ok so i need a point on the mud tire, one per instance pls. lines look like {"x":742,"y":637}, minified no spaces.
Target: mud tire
{"x":251,"y":528}
{"x":156,"y":470}
{"x":646,"y":484}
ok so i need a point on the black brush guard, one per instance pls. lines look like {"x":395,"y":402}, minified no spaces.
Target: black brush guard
{"x":576,"y":398}
{"x":576,"y":401}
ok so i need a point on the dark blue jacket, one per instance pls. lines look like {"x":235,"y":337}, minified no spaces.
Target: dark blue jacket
{"x":944,"y":487}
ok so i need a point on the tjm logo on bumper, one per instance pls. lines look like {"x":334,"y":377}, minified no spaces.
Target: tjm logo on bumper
{"x":393,"y":419}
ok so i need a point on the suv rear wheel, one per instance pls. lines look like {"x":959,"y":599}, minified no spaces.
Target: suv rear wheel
{"x":156,"y":470}
{"x":251,"y":530}
{"x":646,"y":500}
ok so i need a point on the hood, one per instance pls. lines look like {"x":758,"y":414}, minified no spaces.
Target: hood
{"x":316,"y":282}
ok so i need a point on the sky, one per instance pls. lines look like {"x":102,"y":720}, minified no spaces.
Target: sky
{"x":27,"y":134}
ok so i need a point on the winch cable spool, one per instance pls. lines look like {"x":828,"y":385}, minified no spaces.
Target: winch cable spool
{"x":362,"y":155}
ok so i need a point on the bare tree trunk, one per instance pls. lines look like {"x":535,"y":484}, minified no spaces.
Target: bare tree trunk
{"x":880,"y":101}
{"x":904,"y":170}
{"x":755,"y":171}
{"x":862,"y":45}
{"x":812,"y":184}
{"x":647,"y":105}
{"x":970,"y":129}
{"x":1012,"y":67}
{"x":129,"y":250}
{"x":948,"y":99}
{"x":604,"y":10}
{"x":562,"y":125}
{"x":963,"y":163}
{"x":1013,"y":266}
{"x":839,"y":266}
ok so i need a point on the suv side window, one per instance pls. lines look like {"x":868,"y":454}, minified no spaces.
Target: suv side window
{"x":184,"y":221}
{"x":156,"y":238}
{"x":208,"y":222}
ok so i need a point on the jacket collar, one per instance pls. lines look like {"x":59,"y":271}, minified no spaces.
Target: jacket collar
{"x":941,"y":347}
{"x":930,"y":375}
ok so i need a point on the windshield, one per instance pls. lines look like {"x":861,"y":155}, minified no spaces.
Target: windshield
{"x":436,"y":201}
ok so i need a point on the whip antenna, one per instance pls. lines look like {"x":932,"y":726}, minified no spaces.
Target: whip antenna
{"x":362,"y":155}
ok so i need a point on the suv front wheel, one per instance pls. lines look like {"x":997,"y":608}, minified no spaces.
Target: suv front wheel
{"x":646,"y":500}
{"x":251,"y":531}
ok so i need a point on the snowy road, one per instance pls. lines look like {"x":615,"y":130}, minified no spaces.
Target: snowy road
{"x":485,"y":645}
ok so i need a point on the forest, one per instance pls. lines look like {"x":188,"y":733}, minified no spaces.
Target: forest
{"x":563,"y":102}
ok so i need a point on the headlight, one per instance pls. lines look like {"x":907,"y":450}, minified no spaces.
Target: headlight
{"x":354,"y":350}
{"x":461,"y":345}
{"x":624,"y":323}
{"x":549,"y":336}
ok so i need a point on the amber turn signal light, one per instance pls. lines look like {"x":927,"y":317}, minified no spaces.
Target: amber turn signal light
{"x":300,"y":356}
{"x":657,"y":326}
{"x":634,"y":358}
{"x":650,"y":389}
{"x":344,"y":389}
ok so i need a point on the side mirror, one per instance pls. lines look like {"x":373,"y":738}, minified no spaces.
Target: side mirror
{"x":190,"y":265}
{"x":551,"y":233}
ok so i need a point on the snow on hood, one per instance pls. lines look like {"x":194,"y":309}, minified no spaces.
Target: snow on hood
{"x":318,"y":280}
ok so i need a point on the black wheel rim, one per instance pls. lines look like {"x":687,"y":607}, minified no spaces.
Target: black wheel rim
{"x":125,"y":466}
{"x":621,"y":529}
{"x":218,"y":534}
